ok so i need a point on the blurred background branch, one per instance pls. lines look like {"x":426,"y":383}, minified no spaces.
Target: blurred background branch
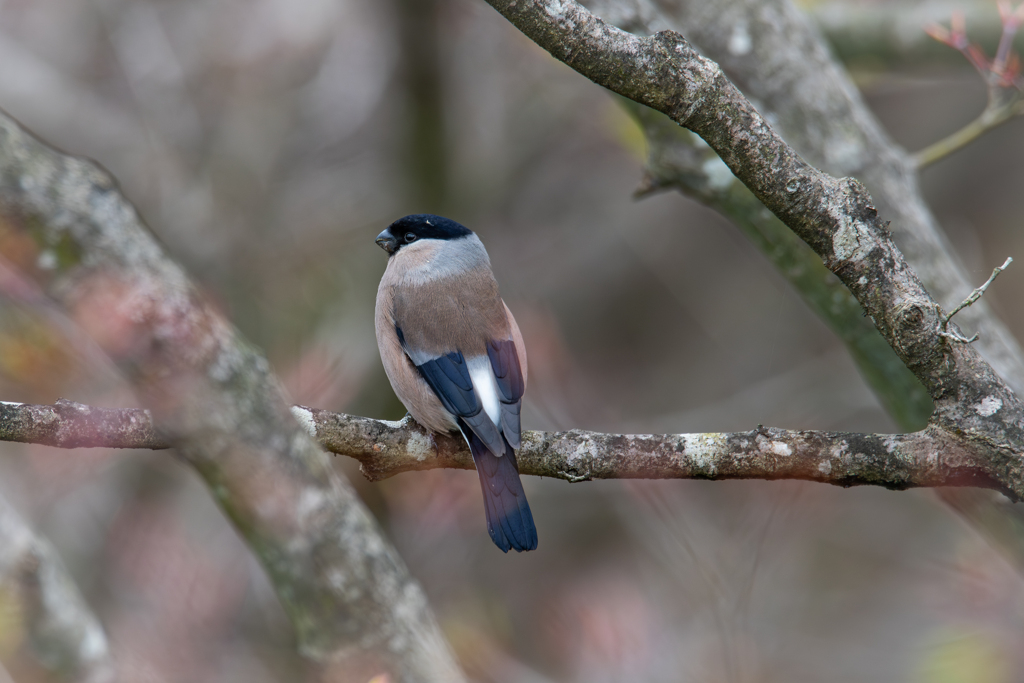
{"x":1002,"y":76}
{"x":41,"y":605}
{"x":215,"y":399}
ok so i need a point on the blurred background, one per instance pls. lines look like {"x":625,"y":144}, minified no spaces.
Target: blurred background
{"x":267,"y":142}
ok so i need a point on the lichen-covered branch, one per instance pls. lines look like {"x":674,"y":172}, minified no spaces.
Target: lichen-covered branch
{"x":928,"y":458}
{"x":897,"y":461}
{"x":213,"y":397}
{"x":775,"y":56}
{"x":67,"y":424}
{"x":680,"y":160}
{"x":41,"y":604}
{"x":835,"y":217}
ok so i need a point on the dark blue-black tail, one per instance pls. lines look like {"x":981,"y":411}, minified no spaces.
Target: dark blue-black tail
{"x":509,"y":520}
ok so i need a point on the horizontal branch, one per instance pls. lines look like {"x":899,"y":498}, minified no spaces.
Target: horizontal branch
{"x":926,"y":458}
{"x":67,"y":424}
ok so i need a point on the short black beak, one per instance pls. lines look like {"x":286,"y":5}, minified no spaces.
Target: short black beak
{"x":387,"y":241}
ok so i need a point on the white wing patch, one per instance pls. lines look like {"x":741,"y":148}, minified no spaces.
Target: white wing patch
{"x":482,"y":376}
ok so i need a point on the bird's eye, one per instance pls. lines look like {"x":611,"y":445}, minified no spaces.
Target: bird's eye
{"x":410,"y":237}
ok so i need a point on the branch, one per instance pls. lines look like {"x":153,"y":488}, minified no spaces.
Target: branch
{"x":890,"y":33}
{"x":927,"y":458}
{"x":970,"y":301}
{"x":797,"y":84}
{"x":1001,"y":75}
{"x":64,"y":635}
{"x":67,"y":424}
{"x":680,"y":160}
{"x":213,"y":398}
{"x":787,"y":68}
{"x":835,"y":217}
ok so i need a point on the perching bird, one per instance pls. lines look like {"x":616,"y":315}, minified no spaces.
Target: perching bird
{"x":455,"y":357}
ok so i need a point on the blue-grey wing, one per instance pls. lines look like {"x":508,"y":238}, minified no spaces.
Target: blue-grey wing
{"x":448,"y":376}
{"x":509,"y":377}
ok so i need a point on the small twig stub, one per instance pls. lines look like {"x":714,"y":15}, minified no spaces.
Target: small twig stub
{"x":975,"y":295}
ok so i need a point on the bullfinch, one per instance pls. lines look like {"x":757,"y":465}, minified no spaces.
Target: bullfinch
{"x":455,"y":357}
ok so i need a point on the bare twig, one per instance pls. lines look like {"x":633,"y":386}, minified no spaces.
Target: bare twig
{"x":64,"y":635}
{"x":974,"y":296}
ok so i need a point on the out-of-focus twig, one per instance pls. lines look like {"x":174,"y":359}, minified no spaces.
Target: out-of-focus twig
{"x":1001,"y":75}
{"x":213,"y":397}
{"x":888,"y":34}
{"x":35,"y":588}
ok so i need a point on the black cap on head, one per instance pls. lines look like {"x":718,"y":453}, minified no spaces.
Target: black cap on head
{"x":428,"y":226}
{"x":419,"y":226}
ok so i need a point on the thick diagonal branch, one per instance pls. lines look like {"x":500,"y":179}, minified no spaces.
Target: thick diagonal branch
{"x":834,"y":216}
{"x":771,"y":51}
{"x":213,"y":397}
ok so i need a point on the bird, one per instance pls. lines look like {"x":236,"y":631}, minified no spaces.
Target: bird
{"x":455,"y":357}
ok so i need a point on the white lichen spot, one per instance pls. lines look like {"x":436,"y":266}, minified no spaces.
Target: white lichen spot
{"x":862,"y":281}
{"x":839,"y":450}
{"x":739,"y":41}
{"x":702,"y":451}
{"x":583,"y":451}
{"x":47,"y":260}
{"x":718,"y":174}
{"x":825,"y":467}
{"x":890,"y":443}
{"x":850,"y":242}
{"x":781,"y":448}
{"x":305,"y":419}
{"x":420,"y":446}
{"x":989,"y":406}
{"x":561,"y":13}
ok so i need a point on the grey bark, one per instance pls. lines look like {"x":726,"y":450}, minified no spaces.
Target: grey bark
{"x":777,"y":57}
{"x":214,"y":398}
{"x":928,"y":458}
{"x":836,"y":217}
